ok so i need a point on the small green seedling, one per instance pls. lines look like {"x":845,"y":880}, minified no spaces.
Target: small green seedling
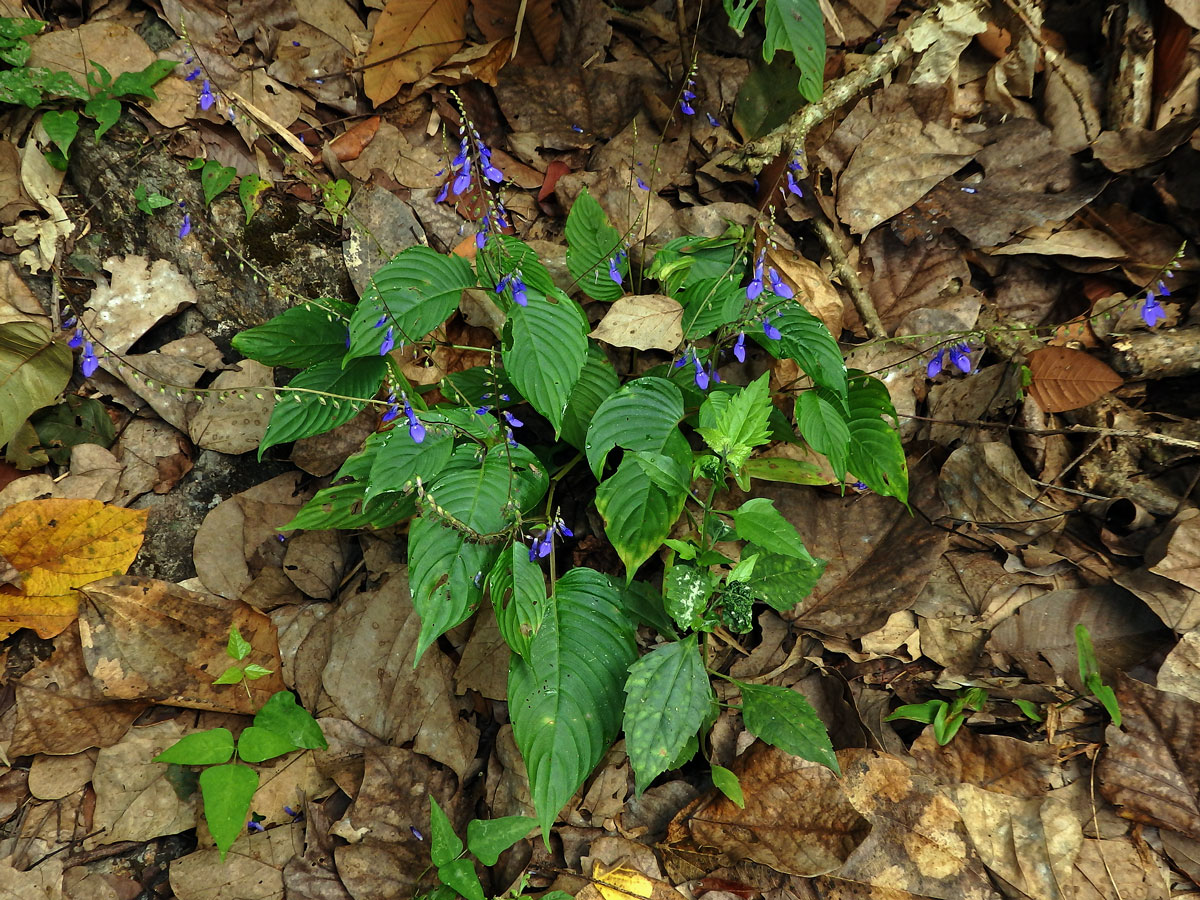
{"x":238,"y":649}
{"x":1089,"y":674}
{"x":486,"y":840}
{"x":227,"y":788}
{"x":150,"y":202}
{"x":946,"y":718}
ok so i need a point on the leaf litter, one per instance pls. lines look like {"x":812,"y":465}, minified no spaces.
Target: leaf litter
{"x":983,"y":190}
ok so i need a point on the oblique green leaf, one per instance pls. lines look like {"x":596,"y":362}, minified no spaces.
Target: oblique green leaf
{"x":205,"y":748}
{"x":306,"y":410}
{"x":784,"y":719}
{"x":228,"y":792}
{"x":488,"y":838}
{"x":592,"y":243}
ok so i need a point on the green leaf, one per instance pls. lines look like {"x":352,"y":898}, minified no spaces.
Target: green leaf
{"x":667,"y":695}
{"x":728,"y":784}
{"x":237,"y":647}
{"x":460,"y":875}
{"x":687,"y":590}
{"x":645,"y":604}
{"x":518,"y":592}
{"x":758,"y":520}
{"x":1089,"y":674}
{"x":732,"y":425}
{"x":488,"y":838}
{"x":303,"y":413}
{"x":33,"y":371}
{"x":638,"y":515}
{"x":256,"y":744}
{"x":566,"y":704}
{"x":205,"y":748}
{"x":77,"y":420}
{"x":591,"y":243}
{"x":642,"y":415}
{"x":1030,"y":709}
{"x":13,"y":28}
{"x":105,"y":111}
{"x":250,"y":191}
{"x":683,"y":261}
{"x":299,"y":337}
{"x":141,"y":84}
{"x":444,"y":563}
{"x":806,"y":340}
{"x":784,"y":719}
{"x":669,"y":473}
{"x":797,"y":25}
{"x":544,"y":351}
{"x":504,"y":255}
{"x":788,"y":471}
{"x":232,"y":675}
{"x":783,"y":581}
{"x":228,"y":792}
{"x":824,"y":427}
{"x":17,"y":86}
{"x":876,"y":454}
{"x":336,"y":194}
{"x":341,"y":506}
{"x":414,"y":292}
{"x":282,"y":715}
{"x":739,"y":13}
{"x":147,"y":202}
{"x":597,"y":382}
{"x":215,"y":178}
{"x":444,"y":844}
{"x":918,"y":712}
{"x":399,"y":460}
{"x":61,"y":127}
{"x":710,"y":303}
{"x":254,"y":671}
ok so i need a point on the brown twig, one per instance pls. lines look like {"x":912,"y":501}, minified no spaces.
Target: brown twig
{"x":841,"y":264}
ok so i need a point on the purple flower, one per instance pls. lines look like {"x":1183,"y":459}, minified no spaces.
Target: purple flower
{"x":492,"y":173}
{"x":713,"y":120}
{"x":512,"y":420}
{"x":958,"y":356}
{"x":381,"y":321}
{"x":613,"y":272}
{"x":415,"y":429}
{"x":255,"y":827}
{"x":186,"y":228}
{"x":755,"y":288}
{"x":543,"y":543}
{"x":192,"y":75}
{"x":739,"y":348}
{"x":296,"y":814}
{"x":687,"y":109}
{"x":1162,"y":287}
{"x":76,"y":340}
{"x":461,"y":183}
{"x":792,"y":186}
{"x":518,"y":289}
{"x":389,"y":341}
{"x":391,"y":412}
{"x":934,"y":369}
{"x":207,"y":99}
{"x":770,"y":330}
{"x":416,"y":834}
{"x":443,"y":193}
{"x":577,"y":129}
{"x":778,"y":286}
{"x":642,"y":184}
{"x":481,"y":237}
{"x":712,"y":373}
{"x":701,"y":375}
{"x":1152,"y":311}
{"x":88,"y":364}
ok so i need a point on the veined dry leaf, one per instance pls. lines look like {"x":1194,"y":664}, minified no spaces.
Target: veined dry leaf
{"x":411,"y":39}
{"x":58,"y":546}
{"x":1065,"y":379}
{"x":622,"y":881}
{"x":642,"y":321}
{"x":543,"y":23}
{"x":814,"y":290}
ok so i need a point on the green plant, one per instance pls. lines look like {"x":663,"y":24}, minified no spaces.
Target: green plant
{"x":228,"y":788}
{"x":486,"y":840}
{"x":793,"y":25}
{"x":1089,"y":674}
{"x":946,"y":718}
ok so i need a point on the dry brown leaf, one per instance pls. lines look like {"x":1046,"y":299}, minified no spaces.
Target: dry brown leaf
{"x":642,"y":321}
{"x":477,"y":62}
{"x":1181,"y":560}
{"x":350,"y":144}
{"x":986,"y":484}
{"x":145,"y":639}
{"x":540,"y":27}
{"x":117,"y":47}
{"x":1065,"y":379}
{"x":1120,"y":870}
{"x":996,"y":763}
{"x":1180,"y":671}
{"x":252,"y":870}
{"x":233,"y":422}
{"x":1178,"y":606}
{"x":814,"y":290}
{"x":411,"y":39}
{"x":55,"y":777}
{"x":139,"y":295}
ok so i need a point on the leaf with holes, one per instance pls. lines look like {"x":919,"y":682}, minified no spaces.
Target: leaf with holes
{"x":544,"y":350}
{"x":518,"y":591}
{"x":592,"y":245}
{"x":807,"y":341}
{"x":642,"y":415}
{"x":1066,"y":379}
{"x":410,"y":295}
{"x":797,"y":25}
{"x":667,"y":694}
{"x":785,"y":719}
{"x":298,"y":337}
{"x":597,"y":382}
{"x":323,"y":397}
{"x":566,"y":705}
{"x":876,"y":454}
{"x":33,"y":371}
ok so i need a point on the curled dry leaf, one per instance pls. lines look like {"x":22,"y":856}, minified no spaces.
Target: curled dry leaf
{"x":1066,"y":379}
{"x":642,"y":321}
{"x":411,"y":39}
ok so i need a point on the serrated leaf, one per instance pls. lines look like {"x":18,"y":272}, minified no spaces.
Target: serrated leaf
{"x":638,"y":515}
{"x":228,"y":792}
{"x":783,"y":718}
{"x":413,"y":293}
{"x":783,"y":581}
{"x":33,"y":371}
{"x":642,"y":415}
{"x":488,"y":838}
{"x":728,"y":784}
{"x":205,"y":748}
{"x":544,"y":350}
{"x":518,"y":591}
{"x":806,"y":340}
{"x":299,"y":337}
{"x":824,"y":427}
{"x":306,"y":410}
{"x":591,"y":244}
{"x":566,"y":705}
{"x":876,"y":454}
{"x":342,"y":506}
{"x":710,"y":303}
{"x":797,"y":25}
{"x":282,"y":715}
{"x":214,"y":179}
{"x":667,"y":694}
{"x":256,"y":744}
{"x":444,"y":844}
{"x":597,"y":382}
{"x":732,"y":425}
{"x":758,"y":521}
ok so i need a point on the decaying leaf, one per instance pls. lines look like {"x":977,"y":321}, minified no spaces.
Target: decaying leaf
{"x":642,"y":321}
{"x":411,"y":39}
{"x":1065,"y":379}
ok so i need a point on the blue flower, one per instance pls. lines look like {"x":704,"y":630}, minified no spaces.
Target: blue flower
{"x":934,"y":369}
{"x":492,"y":173}
{"x":642,"y":184}
{"x":512,"y":420}
{"x":415,"y":429}
{"x":88,"y":364}
{"x":613,"y":272}
{"x":255,"y":827}
{"x":481,"y":236}
{"x":778,"y":286}
{"x":701,"y":375}
{"x":958,"y":356}
{"x":207,"y":98}
{"x":577,"y":129}
{"x":443,"y":193}
{"x":770,"y":330}
{"x":687,"y":109}
{"x":755,"y":288}
{"x":381,"y":321}
{"x":792,"y":186}
{"x":543,"y":543}
{"x":518,"y":289}
{"x":389,"y":341}
{"x":192,"y":75}
{"x":1152,"y":311}
{"x":739,"y":348}
{"x":186,"y":228}
{"x":76,"y":339}
{"x":1162,"y":287}
{"x":713,"y":120}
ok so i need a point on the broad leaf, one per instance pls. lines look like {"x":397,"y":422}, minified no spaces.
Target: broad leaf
{"x":597,"y":382}
{"x":783,"y":581}
{"x":642,"y":415}
{"x":797,"y":25}
{"x":710,"y":303}
{"x":667,"y":695}
{"x":321,"y":398}
{"x":399,"y":460}
{"x":592,"y":244}
{"x":759,"y":522}
{"x":444,"y":844}
{"x":566,"y":705}
{"x":282,"y":715}
{"x":518,"y":591}
{"x":670,"y":473}
{"x":447,"y":571}
{"x":734,"y":424}
{"x":205,"y":748}
{"x":342,"y":506}
{"x":545,"y":347}
{"x":684,"y":261}
{"x":504,"y":255}
{"x":460,"y":875}
{"x":876,"y":455}
{"x":412,"y":294}
{"x":298,"y":337}
{"x":824,"y":427}
{"x":687,"y":590}
{"x":728,"y":784}
{"x":228,"y":791}
{"x":256,"y":744}
{"x":784,"y":719}
{"x":806,"y":340}
{"x":33,"y":371}
{"x":488,"y":838}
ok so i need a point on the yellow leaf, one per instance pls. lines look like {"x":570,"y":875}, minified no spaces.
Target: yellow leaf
{"x":411,"y":39}
{"x":621,"y":882}
{"x":56,"y":546}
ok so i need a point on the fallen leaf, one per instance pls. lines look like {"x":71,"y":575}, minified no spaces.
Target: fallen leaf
{"x":1066,"y":379}
{"x":139,"y":295}
{"x":33,"y":371}
{"x":814,"y":290}
{"x":251,"y":870}
{"x":642,"y":321}
{"x":115,"y":46}
{"x":234,"y":419}
{"x":1180,"y":671}
{"x":350,"y":143}
{"x":55,"y":777}
{"x":1181,"y":560}
{"x":540,"y":27}
{"x":411,"y":39}
{"x":987,"y":485}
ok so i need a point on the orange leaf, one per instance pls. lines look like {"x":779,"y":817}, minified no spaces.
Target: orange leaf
{"x":411,"y":39}
{"x":1065,"y":379}
{"x":57,"y":546}
{"x":349,"y":145}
